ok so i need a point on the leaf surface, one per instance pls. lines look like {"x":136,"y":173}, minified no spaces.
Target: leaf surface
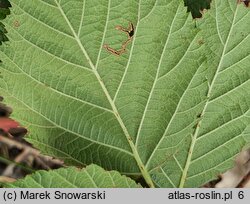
{"x":91,"y":177}
{"x":173,"y":108}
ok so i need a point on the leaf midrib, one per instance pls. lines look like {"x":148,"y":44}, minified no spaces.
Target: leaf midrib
{"x":141,"y":166}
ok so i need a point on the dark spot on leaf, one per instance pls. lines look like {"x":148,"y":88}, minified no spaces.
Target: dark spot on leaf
{"x":199,"y":115}
{"x":131,"y":33}
{"x":246,"y":2}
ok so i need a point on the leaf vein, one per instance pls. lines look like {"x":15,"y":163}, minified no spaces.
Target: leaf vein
{"x":39,"y":21}
{"x":155,"y":79}
{"x":194,"y":139}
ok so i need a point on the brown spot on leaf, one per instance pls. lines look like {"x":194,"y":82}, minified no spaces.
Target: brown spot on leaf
{"x":246,"y":2}
{"x":129,"y":32}
{"x":201,"y":42}
{"x":16,"y":23}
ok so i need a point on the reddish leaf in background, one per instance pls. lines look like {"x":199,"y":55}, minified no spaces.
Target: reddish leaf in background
{"x":6,"y":124}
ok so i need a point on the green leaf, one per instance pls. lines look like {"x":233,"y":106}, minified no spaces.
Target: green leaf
{"x":4,"y":8}
{"x":91,"y":177}
{"x":4,"y":11}
{"x":196,"y":7}
{"x":174,"y":108}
